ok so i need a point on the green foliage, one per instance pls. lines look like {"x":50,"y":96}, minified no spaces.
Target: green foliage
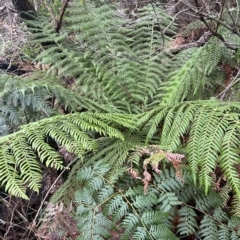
{"x":131,"y":209}
{"x":28,"y":100}
{"x":132,"y":108}
{"x":113,"y":62}
{"x":39,"y":141}
{"x":190,"y":80}
{"x":212,"y":129}
{"x":104,"y":210}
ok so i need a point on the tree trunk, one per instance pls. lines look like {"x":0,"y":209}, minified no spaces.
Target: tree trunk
{"x":23,"y":6}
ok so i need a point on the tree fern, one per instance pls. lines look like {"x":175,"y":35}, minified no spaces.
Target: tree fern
{"x":123,"y":182}
{"x":110,"y":58}
{"x":206,"y":123}
{"x":71,"y":131}
{"x":26,"y":100}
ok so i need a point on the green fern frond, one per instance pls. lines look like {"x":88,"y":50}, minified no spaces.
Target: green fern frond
{"x":208,"y":228}
{"x":192,"y":26}
{"x":214,"y":127}
{"x":163,"y":232}
{"x":214,"y":49}
{"x":233,"y":224}
{"x":167,"y":200}
{"x":130,"y":210}
{"x":220,"y":215}
{"x":229,"y":156}
{"x":205,"y":125}
{"x":205,"y":203}
{"x":235,"y":206}
{"x":25,"y":160}
{"x":117,"y":64}
{"x":43,"y":31}
{"x":224,"y":193}
{"x":105,"y":60}
{"x":183,"y":114}
{"x":194,"y":145}
{"x":71,"y":131}
{"x":167,"y":181}
{"x":187,"y":222}
{"x":10,"y":177}
{"x":158,"y":118}
{"x":224,"y":233}
{"x":185,"y":82}
{"x":130,"y":222}
{"x":26,"y":100}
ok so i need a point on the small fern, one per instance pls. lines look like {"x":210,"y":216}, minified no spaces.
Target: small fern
{"x":104,"y":210}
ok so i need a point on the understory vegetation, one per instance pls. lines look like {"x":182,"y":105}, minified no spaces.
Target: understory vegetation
{"x":126,"y":123}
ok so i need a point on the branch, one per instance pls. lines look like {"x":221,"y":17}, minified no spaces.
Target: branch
{"x":174,"y":18}
{"x":24,"y":6}
{"x":59,"y":21}
{"x":204,"y":38}
{"x":200,"y":14}
{"x":233,"y":82}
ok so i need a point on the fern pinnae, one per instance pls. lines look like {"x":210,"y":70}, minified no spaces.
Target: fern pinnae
{"x":155,"y":217}
{"x":46,"y":154}
{"x":167,"y":200}
{"x":134,"y":158}
{"x":120,"y":209}
{"x":235,"y":205}
{"x":26,"y":161}
{"x":65,"y":130}
{"x":146,"y":201}
{"x":183,"y":117}
{"x":193,"y":146}
{"x":89,"y":121}
{"x":192,"y":26}
{"x":156,"y":121}
{"x":64,"y":139}
{"x":224,"y":233}
{"x":225,"y":194}
{"x":11,"y":113}
{"x":208,"y":228}
{"x":233,"y":224}
{"x":124,"y":120}
{"x":140,"y":233}
{"x":144,"y":118}
{"x":77,"y":135}
{"x":129,"y":223}
{"x":10,"y":177}
{"x":229,"y":156}
{"x":163,"y":231}
{"x":187,"y":222}
{"x":210,"y":142}
{"x":119,"y":158}
{"x":108,"y":146}
{"x":220,"y":215}
{"x":167,"y":181}
{"x":188,"y":78}
{"x":214,"y":55}
{"x":171,"y":119}
{"x":206,"y":202}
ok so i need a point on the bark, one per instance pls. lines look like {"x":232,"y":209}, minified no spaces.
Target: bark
{"x":24,"y":6}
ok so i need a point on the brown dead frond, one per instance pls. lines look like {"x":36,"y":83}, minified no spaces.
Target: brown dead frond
{"x":57,"y":223}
